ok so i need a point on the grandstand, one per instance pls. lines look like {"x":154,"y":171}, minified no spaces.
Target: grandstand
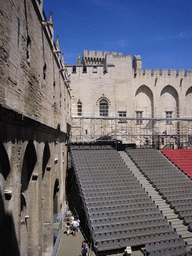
{"x":182,"y":158}
{"x":132,"y":197}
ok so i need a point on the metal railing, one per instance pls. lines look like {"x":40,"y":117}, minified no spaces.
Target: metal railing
{"x":58,"y":238}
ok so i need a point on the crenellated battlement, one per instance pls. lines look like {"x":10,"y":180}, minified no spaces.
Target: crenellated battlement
{"x":96,"y":57}
{"x":163,"y":72}
{"x":48,"y":28}
{"x":98,"y":54}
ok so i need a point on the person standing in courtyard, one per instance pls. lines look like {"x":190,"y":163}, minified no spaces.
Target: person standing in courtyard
{"x":75,"y":226}
{"x":84,"y":248}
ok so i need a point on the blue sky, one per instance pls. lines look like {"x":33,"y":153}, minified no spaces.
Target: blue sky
{"x":160,"y":31}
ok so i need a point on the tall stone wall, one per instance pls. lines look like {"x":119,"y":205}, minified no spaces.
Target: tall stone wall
{"x":177,"y":84}
{"x":112,"y":81}
{"x":31,"y":81}
{"x":121,"y":83}
{"x":131,"y":92}
{"x":34,"y":128}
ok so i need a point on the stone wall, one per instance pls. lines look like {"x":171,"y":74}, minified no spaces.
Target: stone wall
{"x":128,"y":90}
{"x":34,"y":128}
{"x":31,"y":80}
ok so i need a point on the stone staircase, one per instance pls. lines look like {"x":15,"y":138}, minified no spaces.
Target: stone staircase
{"x":161,"y":203}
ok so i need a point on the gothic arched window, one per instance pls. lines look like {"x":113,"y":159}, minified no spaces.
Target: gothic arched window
{"x":103,"y":107}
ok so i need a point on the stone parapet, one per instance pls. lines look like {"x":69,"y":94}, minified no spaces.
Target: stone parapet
{"x":96,"y":57}
{"x":98,"y":54}
{"x":164,"y":72}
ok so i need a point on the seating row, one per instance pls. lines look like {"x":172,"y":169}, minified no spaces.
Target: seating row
{"x":111,"y":182}
{"x":164,"y":233}
{"x":168,"y":182}
{"x":98,"y":177}
{"x":164,"y":244}
{"x":120,"y":185}
{"x":126,"y":219}
{"x":131,"y":225}
{"x":89,"y":190}
{"x":109,"y":208}
{"x":168,"y":237}
{"x":124,"y":212}
{"x":135,"y":241}
{"x":118,"y":202}
{"x":117,"y":197}
{"x":181,"y":158}
{"x":173,"y":251}
{"x":99,"y":172}
{"x":137,"y":193}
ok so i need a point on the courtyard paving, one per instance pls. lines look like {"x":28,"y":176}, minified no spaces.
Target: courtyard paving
{"x":71,"y":245}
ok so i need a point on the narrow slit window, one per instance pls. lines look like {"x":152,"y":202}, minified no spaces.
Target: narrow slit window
{"x":79,"y":108}
{"x":28,"y":53}
{"x":44,"y":71}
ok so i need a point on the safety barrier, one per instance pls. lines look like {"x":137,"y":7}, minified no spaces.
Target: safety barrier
{"x":58,"y":238}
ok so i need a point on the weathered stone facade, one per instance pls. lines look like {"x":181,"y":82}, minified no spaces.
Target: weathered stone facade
{"x":34,"y":129}
{"x":35,"y":109}
{"x":119,"y":83}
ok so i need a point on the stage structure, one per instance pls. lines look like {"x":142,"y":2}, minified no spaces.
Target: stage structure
{"x":144,"y":132}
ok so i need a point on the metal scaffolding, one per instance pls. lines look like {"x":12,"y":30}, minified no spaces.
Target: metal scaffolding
{"x":147,"y":131}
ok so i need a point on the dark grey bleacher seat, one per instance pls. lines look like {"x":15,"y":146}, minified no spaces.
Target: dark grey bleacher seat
{"x":174,"y":186}
{"x":119,"y":211}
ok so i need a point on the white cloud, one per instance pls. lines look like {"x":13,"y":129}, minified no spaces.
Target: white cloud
{"x":184,"y":34}
{"x":118,"y":43}
{"x":122,"y":43}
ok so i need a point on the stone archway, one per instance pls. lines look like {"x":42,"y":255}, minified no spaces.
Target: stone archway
{"x":144,"y":101}
{"x":168,"y":107}
{"x":55,"y":199}
{"x":4,"y":174}
{"x":29,"y":161}
{"x":29,"y":202}
{"x":188,"y":100}
{"x":6,"y":222}
{"x":24,"y":226}
{"x":46,"y":157}
{"x":47,"y":199}
{"x":169,"y":100}
{"x":4,"y":164}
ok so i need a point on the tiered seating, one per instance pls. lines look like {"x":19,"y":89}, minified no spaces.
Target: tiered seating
{"x":171,"y":183}
{"x":182,"y":158}
{"x":118,"y":210}
{"x":171,"y":247}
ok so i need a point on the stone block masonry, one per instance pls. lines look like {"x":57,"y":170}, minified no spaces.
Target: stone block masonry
{"x":34,"y":128}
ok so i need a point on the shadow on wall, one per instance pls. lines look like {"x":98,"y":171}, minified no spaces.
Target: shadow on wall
{"x":8,"y":240}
